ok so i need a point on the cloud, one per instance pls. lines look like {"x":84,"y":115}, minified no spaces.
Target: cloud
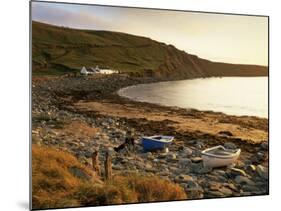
{"x":51,"y":14}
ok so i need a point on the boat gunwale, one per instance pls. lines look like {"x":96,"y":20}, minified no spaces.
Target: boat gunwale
{"x":171,"y":138}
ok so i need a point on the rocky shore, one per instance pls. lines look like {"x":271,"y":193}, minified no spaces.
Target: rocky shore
{"x":84,"y":114}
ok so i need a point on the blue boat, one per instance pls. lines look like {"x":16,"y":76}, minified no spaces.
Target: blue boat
{"x":152,"y":143}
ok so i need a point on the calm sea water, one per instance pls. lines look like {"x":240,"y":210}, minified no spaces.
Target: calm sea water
{"x":231,"y":95}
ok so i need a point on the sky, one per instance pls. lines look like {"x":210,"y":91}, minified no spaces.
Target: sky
{"x":217,"y":37}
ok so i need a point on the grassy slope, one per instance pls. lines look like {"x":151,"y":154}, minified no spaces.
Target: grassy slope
{"x":62,"y":49}
{"x":58,"y":50}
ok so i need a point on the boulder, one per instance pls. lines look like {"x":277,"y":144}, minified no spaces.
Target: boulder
{"x":219,"y":173}
{"x":199,"y":145}
{"x":187,"y":152}
{"x":230,"y":145}
{"x":205,"y":169}
{"x":196,"y":159}
{"x":264,"y":146}
{"x":171,"y":157}
{"x":214,"y":186}
{"x":195,"y":168}
{"x":258,"y":157}
{"x":262,"y":172}
{"x":225,"y":191}
{"x":118,"y":167}
{"x":77,"y":172}
{"x":242,"y":180}
{"x":149,"y":156}
{"x":215,"y":194}
{"x":230,"y":186}
{"x":250,"y":188}
{"x":237,"y":172}
{"x":251,"y":169}
{"x":183,"y":178}
{"x":193,"y":190}
{"x":184,"y":162}
{"x":225,"y":133}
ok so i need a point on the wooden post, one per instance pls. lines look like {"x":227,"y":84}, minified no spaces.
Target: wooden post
{"x":95,"y":163}
{"x":108,"y":167}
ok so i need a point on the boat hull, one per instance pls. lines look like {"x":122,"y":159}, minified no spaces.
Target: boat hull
{"x":150,"y":144}
{"x":214,"y":161}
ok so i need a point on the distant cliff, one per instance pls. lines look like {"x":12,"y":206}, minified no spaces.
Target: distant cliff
{"x":60,"y":50}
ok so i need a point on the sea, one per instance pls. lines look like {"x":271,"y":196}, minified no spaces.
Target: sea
{"x":231,"y":95}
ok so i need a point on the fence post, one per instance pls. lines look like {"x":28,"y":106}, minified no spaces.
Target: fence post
{"x":108,"y":167}
{"x":95,"y":163}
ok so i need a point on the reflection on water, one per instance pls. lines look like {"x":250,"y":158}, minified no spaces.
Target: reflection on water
{"x":231,"y":95}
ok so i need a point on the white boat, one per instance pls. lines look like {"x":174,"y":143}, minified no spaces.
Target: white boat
{"x":219,"y":156}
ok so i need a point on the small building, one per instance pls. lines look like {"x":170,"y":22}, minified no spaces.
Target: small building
{"x":84,"y":71}
{"x":92,"y":70}
{"x":89,"y":71}
{"x":108,"y":71}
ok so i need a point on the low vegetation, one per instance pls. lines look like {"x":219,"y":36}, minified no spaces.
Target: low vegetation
{"x":59,"y":180}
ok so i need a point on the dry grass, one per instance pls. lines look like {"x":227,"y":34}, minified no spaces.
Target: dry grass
{"x":130,"y":189}
{"x":105,"y":194}
{"x":80,"y":129}
{"x":52,"y":182}
{"x":55,"y":186}
{"x":151,"y":188}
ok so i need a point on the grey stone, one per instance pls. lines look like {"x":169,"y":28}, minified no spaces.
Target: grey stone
{"x":237,"y":172}
{"x":148,"y":166}
{"x":164,"y":173}
{"x":262,"y":172}
{"x":225,"y":191}
{"x":219,"y":172}
{"x":187,"y":151}
{"x":193,"y":190}
{"x":196,"y":153}
{"x":251,"y":169}
{"x":162,"y":156}
{"x":250,"y":188}
{"x":230,"y":186}
{"x":264,"y":146}
{"x":195,"y":168}
{"x":226,"y":133}
{"x":196,"y":159}
{"x":215,"y":194}
{"x":242,"y":180}
{"x":117,"y":167}
{"x":221,"y":179}
{"x":199,"y":145}
{"x":184,"y":163}
{"x":247,"y":162}
{"x":204,"y":170}
{"x":258,"y":157}
{"x":183,"y":179}
{"x":214,"y":186}
{"x":261,"y":155}
{"x":230,"y":145}
{"x":171,"y":157}
{"x":77,"y":172}
{"x":149,"y":156}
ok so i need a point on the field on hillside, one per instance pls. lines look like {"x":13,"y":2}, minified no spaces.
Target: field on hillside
{"x":60,"y":50}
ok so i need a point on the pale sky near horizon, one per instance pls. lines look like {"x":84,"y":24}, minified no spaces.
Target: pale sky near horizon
{"x":217,"y":37}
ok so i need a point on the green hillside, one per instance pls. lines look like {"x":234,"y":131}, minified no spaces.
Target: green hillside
{"x":59,"y":50}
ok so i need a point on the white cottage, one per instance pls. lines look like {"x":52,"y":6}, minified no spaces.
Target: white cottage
{"x":84,"y":71}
